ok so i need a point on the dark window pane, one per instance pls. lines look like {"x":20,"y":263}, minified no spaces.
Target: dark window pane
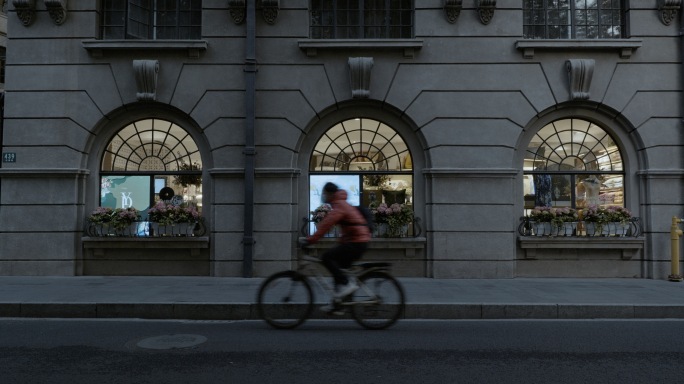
{"x":582,"y":19}
{"x":357,"y":19}
{"x":151,"y":19}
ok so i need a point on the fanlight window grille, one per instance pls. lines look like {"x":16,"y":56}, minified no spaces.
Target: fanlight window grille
{"x":151,"y":145}
{"x":361,"y":145}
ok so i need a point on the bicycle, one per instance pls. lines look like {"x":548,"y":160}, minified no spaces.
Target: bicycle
{"x":285,"y":300}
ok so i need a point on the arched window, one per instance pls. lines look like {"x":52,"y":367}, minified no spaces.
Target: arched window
{"x":146,"y":156}
{"x":368,"y":159}
{"x":573,"y":163}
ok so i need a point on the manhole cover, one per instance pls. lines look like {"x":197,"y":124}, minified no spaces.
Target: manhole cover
{"x":171,"y":341}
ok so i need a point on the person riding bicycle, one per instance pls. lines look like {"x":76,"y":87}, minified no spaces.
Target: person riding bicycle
{"x":355,"y":235}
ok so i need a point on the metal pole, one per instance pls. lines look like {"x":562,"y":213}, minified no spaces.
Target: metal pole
{"x":250,"y":149}
{"x":675,"y":233}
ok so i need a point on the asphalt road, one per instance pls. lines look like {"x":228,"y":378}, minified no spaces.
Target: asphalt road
{"x":138,"y":351}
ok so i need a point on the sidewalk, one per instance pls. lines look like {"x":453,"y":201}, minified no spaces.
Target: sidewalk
{"x":214,"y":298}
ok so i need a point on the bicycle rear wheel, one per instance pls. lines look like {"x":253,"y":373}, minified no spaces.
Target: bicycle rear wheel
{"x":379,"y":302}
{"x":285,"y":299}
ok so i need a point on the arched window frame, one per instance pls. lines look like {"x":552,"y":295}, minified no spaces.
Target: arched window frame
{"x":168,"y":151}
{"x":585,"y":135}
{"x":376,"y":149}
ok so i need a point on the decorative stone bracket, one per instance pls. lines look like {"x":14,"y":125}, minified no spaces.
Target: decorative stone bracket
{"x":668,"y":10}
{"x":580,"y":73}
{"x":26,"y":11}
{"x":452,"y":8}
{"x":146,"y":79}
{"x":57,"y":9}
{"x":360,"y":71}
{"x":485,"y":8}
{"x":269,"y":10}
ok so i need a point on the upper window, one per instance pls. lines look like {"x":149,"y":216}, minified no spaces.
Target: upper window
{"x":573,"y":163}
{"x":573,"y":19}
{"x":361,"y":19}
{"x":152,"y":19}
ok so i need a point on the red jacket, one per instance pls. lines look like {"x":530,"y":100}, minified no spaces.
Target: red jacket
{"x":352,"y":222}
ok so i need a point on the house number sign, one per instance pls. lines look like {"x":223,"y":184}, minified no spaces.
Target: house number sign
{"x":9,"y":157}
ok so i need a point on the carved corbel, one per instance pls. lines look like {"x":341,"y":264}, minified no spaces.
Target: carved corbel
{"x":26,"y":11}
{"x":452,"y":8}
{"x":668,"y":10}
{"x":146,"y":79}
{"x":485,"y":8}
{"x":360,"y":71}
{"x":269,"y":10}
{"x":580,"y":73}
{"x":238,"y":10}
{"x":57,"y":9}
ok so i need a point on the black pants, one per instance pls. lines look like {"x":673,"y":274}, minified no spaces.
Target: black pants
{"x":342,"y":256}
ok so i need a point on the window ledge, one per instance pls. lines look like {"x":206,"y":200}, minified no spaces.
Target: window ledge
{"x":630,"y":246}
{"x":624,"y":47}
{"x":97,"y":47}
{"x":409,"y":46}
{"x":376,"y":242}
{"x":145,"y":242}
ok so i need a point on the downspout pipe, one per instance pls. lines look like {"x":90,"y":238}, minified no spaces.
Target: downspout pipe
{"x":250,"y":149}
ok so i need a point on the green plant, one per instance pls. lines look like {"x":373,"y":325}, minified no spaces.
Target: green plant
{"x":395,"y":216}
{"x":542,"y":214}
{"x":595,"y":214}
{"x":319,"y":213}
{"x":376,"y":180}
{"x":101,"y":215}
{"x":168,"y":214}
{"x":123,"y":217}
{"x":118,"y":218}
{"x":186,"y":180}
{"x":618,"y":214}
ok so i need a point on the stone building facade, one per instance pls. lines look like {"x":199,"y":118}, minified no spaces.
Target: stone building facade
{"x":477,"y":98}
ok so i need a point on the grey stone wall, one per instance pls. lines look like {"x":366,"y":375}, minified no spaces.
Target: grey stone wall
{"x":467,"y":101}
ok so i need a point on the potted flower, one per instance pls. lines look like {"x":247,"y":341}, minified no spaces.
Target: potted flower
{"x":618,"y":220}
{"x":318,"y":214}
{"x":595,"y":218}
{"x":168,"y":219}
{"x":393,"y":220}
{"x":100,"y":220}
{"x":106,"y":221}
{"x":541,"y":219}
{"x":125,"y":221}
{"x":567,"y":217}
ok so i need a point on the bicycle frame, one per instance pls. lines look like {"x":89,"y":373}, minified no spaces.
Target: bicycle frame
{"x":313,"y":269}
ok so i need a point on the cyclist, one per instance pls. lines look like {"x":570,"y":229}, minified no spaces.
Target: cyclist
{"x":352,"y":244}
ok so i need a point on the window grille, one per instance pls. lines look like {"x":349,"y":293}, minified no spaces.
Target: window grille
{"x":152,"y":19}
{"x":361,"y":19}
{"x":573,"y":19}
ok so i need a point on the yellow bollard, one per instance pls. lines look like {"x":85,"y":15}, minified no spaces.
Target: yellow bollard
{"x":675,"y":233}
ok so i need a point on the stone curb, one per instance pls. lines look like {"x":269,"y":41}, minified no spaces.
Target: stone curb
{"x":247,"y":311}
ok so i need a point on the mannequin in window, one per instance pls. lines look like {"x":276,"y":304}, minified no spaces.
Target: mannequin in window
{"x":588,"y":191}
{"x":542,"y":188}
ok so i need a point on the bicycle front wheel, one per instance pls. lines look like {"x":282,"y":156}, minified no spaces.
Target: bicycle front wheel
{"x":285,"y":300}
{"x":379,"y":302}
